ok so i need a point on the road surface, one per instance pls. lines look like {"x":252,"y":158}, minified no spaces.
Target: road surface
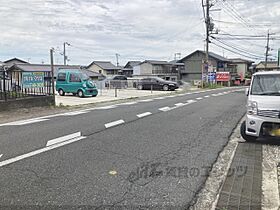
{"x":152,"y":153}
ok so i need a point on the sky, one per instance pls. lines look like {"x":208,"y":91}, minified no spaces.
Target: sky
{"x":135,"y":29}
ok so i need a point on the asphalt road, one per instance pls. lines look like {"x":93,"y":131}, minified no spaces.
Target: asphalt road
{"x":158,"y":156}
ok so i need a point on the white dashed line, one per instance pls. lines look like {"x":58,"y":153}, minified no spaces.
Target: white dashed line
{"x":64,"y":138}
{"x":1,"y":155}
{"x":36,"y":152}
{"x":25,"y":122}
{"x":206,"y":96}
{"x":144,"y":114}
{"x":115,"y":123}
{"x":129,"y":103}
{"x":164,"y":109}
{"x":147,"y":100}
{"x":105,"y":107}
{"x":191,"y":101}
{"x":179,"y":104}
{"x":199,"y":98}
{"x":74,"y":113}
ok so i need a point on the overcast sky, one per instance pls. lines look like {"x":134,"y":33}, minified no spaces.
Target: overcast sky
{"x":135,"y":29}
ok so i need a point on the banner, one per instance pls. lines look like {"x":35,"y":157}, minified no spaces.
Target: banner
{"x":223,"y":76}
{"x":33,"y":79}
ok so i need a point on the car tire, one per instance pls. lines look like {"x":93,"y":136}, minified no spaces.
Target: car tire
{"x":165,"y":87}
{"x":244,"y":135}
{"x":140,"y":87}
{"x":61,"y":92}
{"x":80,"y":93}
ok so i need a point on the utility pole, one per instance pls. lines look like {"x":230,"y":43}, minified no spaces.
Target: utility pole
{"x":117,"y":57}
{"x":52,"y":70}
{"x":64,"y":52}
{"x":267,"y":50}
{"x":207,"y":22}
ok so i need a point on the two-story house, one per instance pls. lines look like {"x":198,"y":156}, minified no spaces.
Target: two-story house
{"x":152,"y":68}
{"x":104,"y":67}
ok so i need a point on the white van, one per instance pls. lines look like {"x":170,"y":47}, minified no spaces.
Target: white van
{"x":263,"y":107}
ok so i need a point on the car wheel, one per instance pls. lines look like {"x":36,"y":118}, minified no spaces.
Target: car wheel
{"x":61,"y":92}
{"x":165,"y":87}
{"x":80,"y":93}
{"x":244,"y":135}
{"x":140,"y":87}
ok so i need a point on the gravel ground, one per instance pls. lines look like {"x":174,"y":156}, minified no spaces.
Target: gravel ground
{"x":271,"y":177}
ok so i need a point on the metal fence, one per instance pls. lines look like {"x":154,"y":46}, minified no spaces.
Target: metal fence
{"x":12,"y":87}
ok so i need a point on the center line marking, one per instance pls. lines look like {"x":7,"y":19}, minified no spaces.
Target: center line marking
{"x":144,"y":114}
{"x":64,"y":138}
{"x":179,"y":104}
{"x":191,"y":101}
{"x":36,"y":152}
{"x":199,"y":98}
{"x":164,"y":109}
{"x":115,"y":123}
{"x":206,"y":96}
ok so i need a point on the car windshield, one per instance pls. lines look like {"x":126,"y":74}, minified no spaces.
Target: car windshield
{"x":84,"y":77}
{"x":266,"y":85}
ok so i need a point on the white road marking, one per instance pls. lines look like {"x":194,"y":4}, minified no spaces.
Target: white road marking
{"x":160,"y":98}
{"x":179,"y":104}
{"x":206,"y":96}
{"x":74,"y":113}
{"x":105,"y":107}
{"x":25,"y":122}
{"x":64,"y":138}
{"x":164,"y":109}
{"x":146,"y":100}
{"x":191,"y":101}
{"x":36,"y":152}
{"x":144,"y":114}
{"x":199,"y":98}
{"x":1,"y":155}
{"x":115,"y":123}
{"x":128,"y":103}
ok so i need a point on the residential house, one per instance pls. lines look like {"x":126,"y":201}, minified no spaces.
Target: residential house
{"x":194,"y":64}
{"x":104,"y":67}
{"x":177,"y":67}
{"x":271,"y":66}
{"x":152,"y":68}
{"x":242,"y":66}
{"x":13,"y":61}
{"x":128,"y":68}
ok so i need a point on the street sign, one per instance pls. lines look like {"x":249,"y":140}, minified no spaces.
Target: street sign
{"x":222,"y":76}
{"x":33,"y":79}
{"x":211,"y":76}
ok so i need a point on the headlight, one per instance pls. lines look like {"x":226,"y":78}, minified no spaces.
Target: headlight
{"x":252,"y":108}
{"x":84,"y":85}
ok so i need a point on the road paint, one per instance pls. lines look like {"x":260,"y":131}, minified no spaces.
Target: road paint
{"x":144,"y":114}
{"x":164,"y":109}
{"x":128,"y":103}
{"x":160,"y":98}
{"x":1,"y":155}
{"x":64,"y":138}
{"x":199,"y":98}
{"x":206,"y":96}
{"x":105,"y":107}
{"x":113,"y":172}
{"x":25,"y":122}
{"x":114,"y":123}
{"x":191,"y":101}
{"x":39,"y":151}
{"x":74,"y":113}
{"x":179,"y":104}
{"x":147,"y":100}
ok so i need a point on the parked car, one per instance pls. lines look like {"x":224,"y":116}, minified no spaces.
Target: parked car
{"x":263,"y":107}
{"x":156,"y":83}
{"x":117,"y":81}
{"x":75,"y":82}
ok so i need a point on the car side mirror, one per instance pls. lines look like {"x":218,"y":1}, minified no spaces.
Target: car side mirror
{"x":247,"y":91}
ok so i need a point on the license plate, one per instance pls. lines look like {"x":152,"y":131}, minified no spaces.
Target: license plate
{"x":275,"y":132}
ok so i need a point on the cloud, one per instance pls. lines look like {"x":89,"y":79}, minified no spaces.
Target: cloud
{"x":136,"y":29}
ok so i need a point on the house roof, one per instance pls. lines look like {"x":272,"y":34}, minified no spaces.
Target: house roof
{"x":106,"y":65}
{"x":176,"y":62}
{"x":154,"y":62}
{"x":211,"y":54}
{"x":131,"y":64}
{"x":41,"y":67}
{"x":92,"y":73}
{"x":240,"y":60}
{"x":15,"y":61}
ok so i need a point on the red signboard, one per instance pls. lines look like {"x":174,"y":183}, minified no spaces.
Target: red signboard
{"x":222,"y":76}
